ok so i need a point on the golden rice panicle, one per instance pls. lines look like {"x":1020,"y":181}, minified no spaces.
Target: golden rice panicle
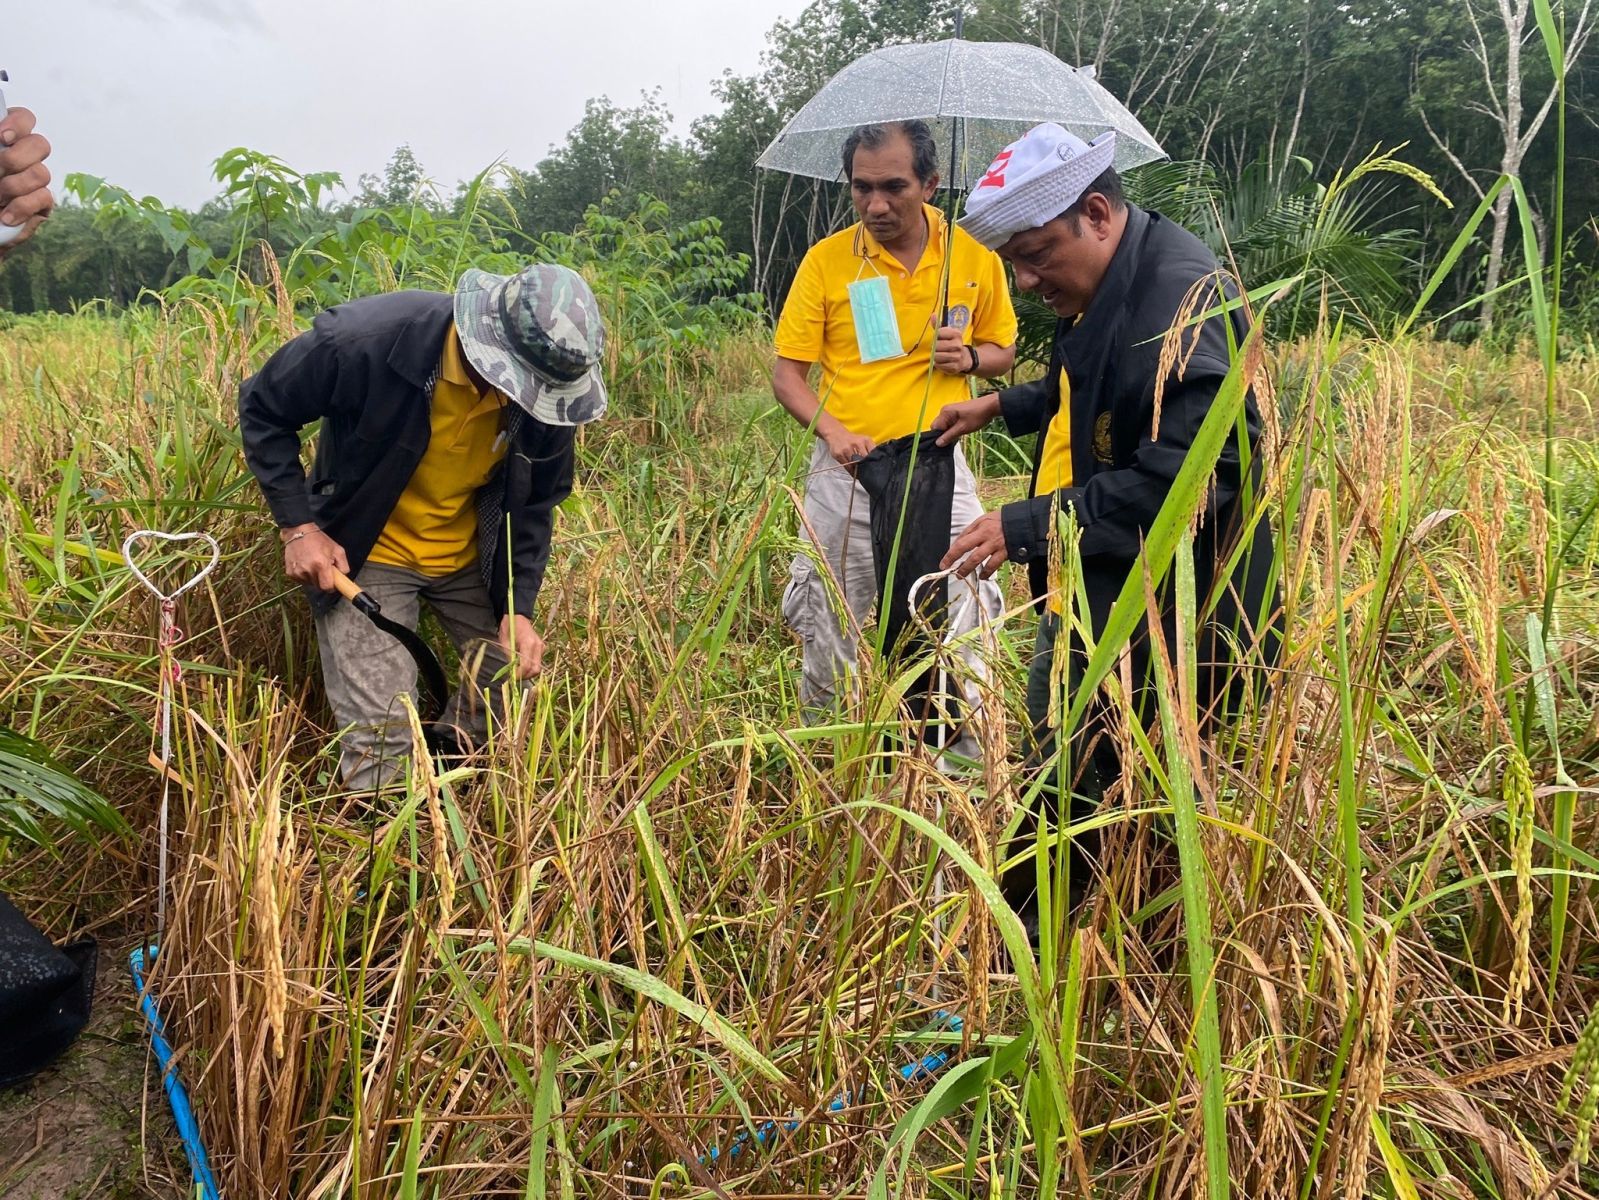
{"x":1174,"y":356}
{"x":1582,"y":1079}
{"x":1521,"y":813}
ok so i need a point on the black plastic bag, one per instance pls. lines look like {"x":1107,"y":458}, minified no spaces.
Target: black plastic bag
{"x":45,"y":995}
{"x":923,"y":540}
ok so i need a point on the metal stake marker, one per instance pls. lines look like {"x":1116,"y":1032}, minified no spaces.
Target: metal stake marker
{"x":973,"y":604}
{"x":141,"y":958}
{"x":929,"y":1064}
{"x":171,"y":673}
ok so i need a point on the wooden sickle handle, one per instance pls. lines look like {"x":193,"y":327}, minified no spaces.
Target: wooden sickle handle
{"x":355,"y":594}
{"x":345,"y":586}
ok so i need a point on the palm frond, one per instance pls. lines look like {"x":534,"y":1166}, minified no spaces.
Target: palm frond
{"x":38,"y":795}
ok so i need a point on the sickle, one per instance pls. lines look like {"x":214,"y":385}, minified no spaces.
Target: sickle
{"x":427,"y":662}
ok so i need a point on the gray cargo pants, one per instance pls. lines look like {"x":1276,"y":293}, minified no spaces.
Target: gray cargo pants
{"x":839,"y":512}
{"x":366,"y":671}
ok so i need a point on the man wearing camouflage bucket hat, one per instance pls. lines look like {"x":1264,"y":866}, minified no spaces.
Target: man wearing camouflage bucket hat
{"x":446,"y":443}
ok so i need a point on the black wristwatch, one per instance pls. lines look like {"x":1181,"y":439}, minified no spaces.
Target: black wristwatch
{"x":977,"y":363}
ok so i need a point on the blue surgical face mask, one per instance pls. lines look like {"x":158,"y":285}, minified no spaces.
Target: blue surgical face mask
{"x":871,"y":304}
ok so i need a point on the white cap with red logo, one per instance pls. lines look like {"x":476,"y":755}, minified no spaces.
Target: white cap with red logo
{"x":1032,"y":181}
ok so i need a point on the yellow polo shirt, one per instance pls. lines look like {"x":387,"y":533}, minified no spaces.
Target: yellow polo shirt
{"x":897,"y":396}
{"x":433,"y":528}
{"x":1055,"y":463}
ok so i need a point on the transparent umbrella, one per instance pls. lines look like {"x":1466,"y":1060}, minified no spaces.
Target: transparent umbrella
{"x":977,"y":96}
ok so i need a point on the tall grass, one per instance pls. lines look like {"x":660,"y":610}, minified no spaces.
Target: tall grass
{"x":662,"y":911}
{"x":663,"y":937}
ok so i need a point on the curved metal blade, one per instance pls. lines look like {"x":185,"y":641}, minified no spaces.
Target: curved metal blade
{"x":434,"y":688}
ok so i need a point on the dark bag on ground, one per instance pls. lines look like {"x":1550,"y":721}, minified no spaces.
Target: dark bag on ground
{"x":924,"y":491}
{"x":45,"y":994}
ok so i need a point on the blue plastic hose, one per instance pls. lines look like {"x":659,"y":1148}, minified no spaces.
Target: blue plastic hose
{"x":922,"y":1068}
{"x":177,"y":1095}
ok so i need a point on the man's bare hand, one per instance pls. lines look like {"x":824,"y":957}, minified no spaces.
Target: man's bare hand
{"x":846,"y":447}
{"x":980,"y":545}
{"x":950,"y":354}
{"x":312,"y":558}
{"x":521,"y":641}
{"x":955,"y":421}
{"x":25,"y":197}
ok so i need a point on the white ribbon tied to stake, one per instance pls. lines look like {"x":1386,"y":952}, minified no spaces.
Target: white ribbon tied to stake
{"x":171,"y":673}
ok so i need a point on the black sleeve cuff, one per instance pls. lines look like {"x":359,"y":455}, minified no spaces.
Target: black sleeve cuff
{"x":1026,"y":527}
{"x":292,"y":509}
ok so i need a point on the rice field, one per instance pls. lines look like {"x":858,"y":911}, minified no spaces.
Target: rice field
{"x":665,"y":939}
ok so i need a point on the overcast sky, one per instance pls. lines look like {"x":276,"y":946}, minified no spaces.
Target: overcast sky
{"x":146,"y":93}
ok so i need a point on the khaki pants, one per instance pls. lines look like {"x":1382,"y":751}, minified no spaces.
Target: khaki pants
{"x":838,"y":511}
{"x":365,"y":671}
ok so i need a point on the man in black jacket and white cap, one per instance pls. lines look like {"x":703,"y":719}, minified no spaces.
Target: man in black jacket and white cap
{"x":446,"y":443}
{"x":1114,"y":426}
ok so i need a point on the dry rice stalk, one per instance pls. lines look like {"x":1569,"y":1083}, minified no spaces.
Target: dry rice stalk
{"x":738,"y":808}
{"x":1368,"y":1064}
{"x":1271,"y":1166}
{"x":274,"y":851}
{"x":1521,"y":814}
{"x":283,"y":303}
{"x":1448,"y":1108}
{"x":1174,"y":359}
{"x":444,"y":870}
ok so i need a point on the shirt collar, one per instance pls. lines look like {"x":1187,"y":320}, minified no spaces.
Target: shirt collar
{"x":1093,"y":323}
{"x":934,"y":253}
{"x":452,"y":362}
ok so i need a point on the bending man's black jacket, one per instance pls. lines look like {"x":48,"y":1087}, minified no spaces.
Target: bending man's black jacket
{"x":366,"y":370}
{"x":1122,"y":465}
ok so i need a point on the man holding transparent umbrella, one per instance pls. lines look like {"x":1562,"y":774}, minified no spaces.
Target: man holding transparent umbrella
{"x":976,"y":97}
{"x":868,"y":305}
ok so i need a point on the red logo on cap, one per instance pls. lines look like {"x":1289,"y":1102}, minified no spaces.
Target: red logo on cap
{"x":996,"y":172}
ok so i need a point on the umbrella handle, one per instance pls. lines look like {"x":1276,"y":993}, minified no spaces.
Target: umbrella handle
{"x":352,"y":591}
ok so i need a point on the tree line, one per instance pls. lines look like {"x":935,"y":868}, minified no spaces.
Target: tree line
{"x":1263,"y":106}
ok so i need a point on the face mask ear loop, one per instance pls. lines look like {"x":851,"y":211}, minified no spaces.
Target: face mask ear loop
{"x":861,"y":270}
{"x":931,"y":324}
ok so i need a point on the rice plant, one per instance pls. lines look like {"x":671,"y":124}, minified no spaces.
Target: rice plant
{"x":661,"y":918}
{"x":663,"y":937}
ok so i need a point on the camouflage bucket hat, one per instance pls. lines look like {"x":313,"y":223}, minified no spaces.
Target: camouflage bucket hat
{"x":536,"y":336}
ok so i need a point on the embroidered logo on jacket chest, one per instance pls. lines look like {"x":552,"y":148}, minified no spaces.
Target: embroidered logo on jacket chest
{"x":1102,"y":447}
